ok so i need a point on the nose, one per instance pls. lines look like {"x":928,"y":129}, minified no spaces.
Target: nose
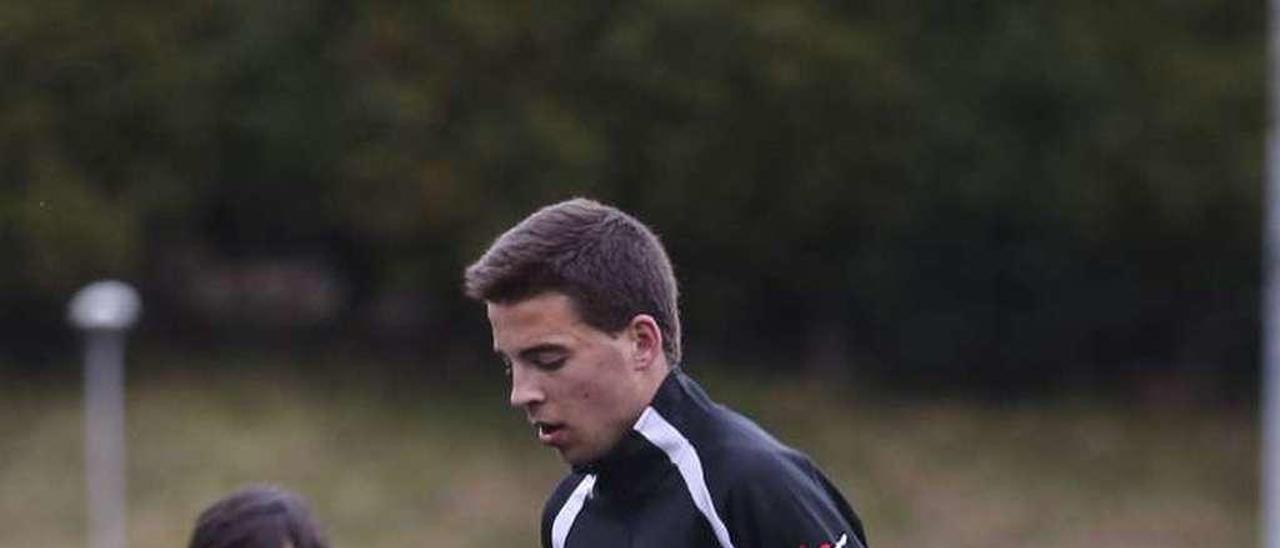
{"x":525,"y":391}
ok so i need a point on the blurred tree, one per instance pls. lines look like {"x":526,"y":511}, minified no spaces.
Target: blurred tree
{"x":980,"y":194}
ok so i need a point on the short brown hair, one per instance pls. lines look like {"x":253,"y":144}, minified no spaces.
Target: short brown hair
{"x":260,"y":516}
{"x":610,"y":265}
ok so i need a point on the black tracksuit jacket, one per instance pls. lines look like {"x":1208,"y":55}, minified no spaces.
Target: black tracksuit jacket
{"x":692,"y":473}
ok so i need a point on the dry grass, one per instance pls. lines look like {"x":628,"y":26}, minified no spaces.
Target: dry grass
{"x":1047,"y":475}
{"x":451,"y":467}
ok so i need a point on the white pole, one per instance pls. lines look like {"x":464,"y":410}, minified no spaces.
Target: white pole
{"x":105,"y":311}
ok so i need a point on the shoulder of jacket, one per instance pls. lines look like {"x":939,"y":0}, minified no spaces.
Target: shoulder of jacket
{"x":752,"y":457}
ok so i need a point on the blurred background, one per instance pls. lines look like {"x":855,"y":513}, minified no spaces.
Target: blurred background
{"x":996,"y":266}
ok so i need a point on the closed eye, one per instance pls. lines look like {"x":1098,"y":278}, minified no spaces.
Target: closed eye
{"x":548,"y":357}
{"x":549,"y":364}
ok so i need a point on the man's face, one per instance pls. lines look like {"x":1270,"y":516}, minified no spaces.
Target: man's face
{"x":577,"y":384}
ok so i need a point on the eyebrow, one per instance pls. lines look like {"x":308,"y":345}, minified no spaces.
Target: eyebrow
{"x":542,"y":348}
{"x":533,"y":351}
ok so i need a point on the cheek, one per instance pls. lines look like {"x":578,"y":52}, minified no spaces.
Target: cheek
{"x":602,"y":401}
{"x":572,"y":391}
{"x":588,"y":396}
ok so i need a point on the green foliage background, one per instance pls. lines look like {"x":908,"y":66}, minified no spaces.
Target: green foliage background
{"x":1007,"y":195}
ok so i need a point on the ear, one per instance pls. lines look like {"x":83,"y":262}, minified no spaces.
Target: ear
{"x":646,"y":338}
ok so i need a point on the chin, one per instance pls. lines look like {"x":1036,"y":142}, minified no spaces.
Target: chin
{"x":577,"y":458}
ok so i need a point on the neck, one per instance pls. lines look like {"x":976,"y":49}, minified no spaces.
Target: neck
{"x":647,"y":384}
{"x":652,"y":379}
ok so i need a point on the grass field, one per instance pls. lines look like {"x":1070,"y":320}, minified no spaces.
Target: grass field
{"x":449,"y":465}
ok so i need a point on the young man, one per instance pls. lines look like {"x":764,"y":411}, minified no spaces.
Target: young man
{"x":582,"y":302}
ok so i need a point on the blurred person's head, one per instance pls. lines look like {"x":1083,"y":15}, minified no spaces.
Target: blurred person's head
{"x":259,"y":516}
{"x":581,"y":298}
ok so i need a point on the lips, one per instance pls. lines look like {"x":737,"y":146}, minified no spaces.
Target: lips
{"x":550,"y":433}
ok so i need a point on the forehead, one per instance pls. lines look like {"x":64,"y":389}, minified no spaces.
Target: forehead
{"x":544,"y":315}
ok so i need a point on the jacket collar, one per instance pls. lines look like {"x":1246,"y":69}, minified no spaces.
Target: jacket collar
{"x":634,"y":465}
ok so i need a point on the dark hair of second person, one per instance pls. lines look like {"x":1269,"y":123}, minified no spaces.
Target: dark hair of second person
{"x":259,"y":516}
